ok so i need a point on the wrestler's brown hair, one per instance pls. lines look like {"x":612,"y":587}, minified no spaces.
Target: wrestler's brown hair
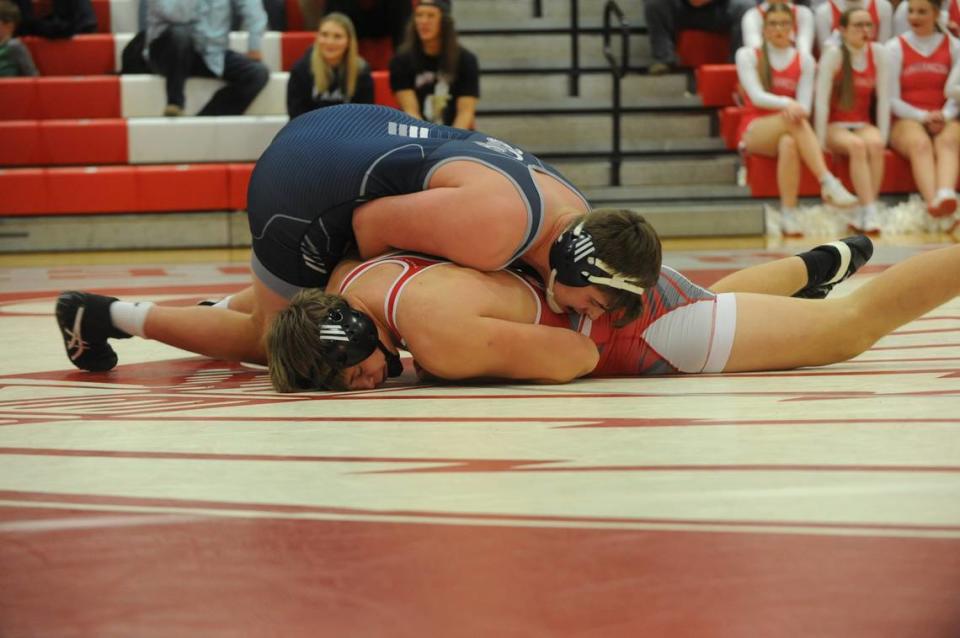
{"x":626,"y":242}
{"x":296,"y":356}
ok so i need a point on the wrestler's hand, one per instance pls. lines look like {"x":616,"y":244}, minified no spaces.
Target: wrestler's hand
{"x":255,"y":55}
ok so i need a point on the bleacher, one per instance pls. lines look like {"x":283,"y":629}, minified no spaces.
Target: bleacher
{"x":86,"y":148}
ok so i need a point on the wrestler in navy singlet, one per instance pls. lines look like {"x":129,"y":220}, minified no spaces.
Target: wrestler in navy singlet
{"x":325,"y":163}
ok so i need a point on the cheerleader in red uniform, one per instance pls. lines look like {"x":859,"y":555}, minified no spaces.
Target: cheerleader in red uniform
{"x":851,"y":78}
{"x":925,"y":130}
{"x":778,"y":83}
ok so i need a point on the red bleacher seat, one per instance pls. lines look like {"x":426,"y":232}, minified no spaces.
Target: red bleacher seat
{"x":762,"y":178}
{"x":19,"y":101}
{"x":238,"y":179}
{"x":294,"y":15}
{"x":293,"y":46}
{"x":90,"y":54}
{"x":91,"y":189}
{"x":24,"y":191}
{"x":716,"y":84}
{"x":182,"y":187}
{"x":381,"y":89}
{"x":696,"y":48}
{"x":376,"y":51}
{"x":102,"y":10}
{"x":730,"y":125}
{"x":72,"y":97}
{"x":83,"y":142}
{"x":21,"y":144}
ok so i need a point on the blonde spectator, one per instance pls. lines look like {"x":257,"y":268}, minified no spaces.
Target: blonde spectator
{"x":331,"y":71}
{"x":778,"y":82}
{"x":851,"y":77}
{"x":925,"y":130}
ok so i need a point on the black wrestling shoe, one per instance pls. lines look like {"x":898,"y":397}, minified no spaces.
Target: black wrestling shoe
{"x":84,"y":320}
{"x":854,"y":252}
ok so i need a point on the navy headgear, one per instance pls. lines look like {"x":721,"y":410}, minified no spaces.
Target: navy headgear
{"x":573,"y":262}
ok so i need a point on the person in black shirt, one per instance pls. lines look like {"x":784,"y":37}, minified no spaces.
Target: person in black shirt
{"x":432,"y":76}
{"x":330,"y":72}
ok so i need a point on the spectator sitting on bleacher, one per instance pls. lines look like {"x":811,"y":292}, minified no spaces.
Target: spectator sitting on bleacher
{"x":666,"y":17}
{"x":926,"y":130}
{"x":802,"y":34}
{"x":827,"y":17}
{"x":778,"y":82}
{"x":850,"y":78}
{"x":331,"y":71}
{"x":901,"y":25}
{"x":191,"y":38}
{"x":432,"y":77}
{"x":15,"y":57}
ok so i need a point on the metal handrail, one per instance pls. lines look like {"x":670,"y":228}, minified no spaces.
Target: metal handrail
{"x":617,"y":72}
{"x":574,"y":48}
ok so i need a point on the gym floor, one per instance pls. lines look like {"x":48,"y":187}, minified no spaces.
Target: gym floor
{"x":180,"y":496}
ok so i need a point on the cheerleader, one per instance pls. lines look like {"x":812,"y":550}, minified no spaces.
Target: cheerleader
{"x":925,"y":130}
{"x":778,"y":83}
{"x":827,"y":17}
{"x":849,"y":78}
{"x":801,"y":35}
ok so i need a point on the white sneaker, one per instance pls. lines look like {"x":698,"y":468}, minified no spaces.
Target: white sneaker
{"x":790,"y":225}
{"x":835,"y":194}
{"x":867,"y":222}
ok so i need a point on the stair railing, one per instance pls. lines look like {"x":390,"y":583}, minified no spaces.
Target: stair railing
{"x":617,"y":71}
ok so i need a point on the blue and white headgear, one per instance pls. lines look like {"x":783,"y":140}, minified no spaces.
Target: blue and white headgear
{"x":573,"y":262}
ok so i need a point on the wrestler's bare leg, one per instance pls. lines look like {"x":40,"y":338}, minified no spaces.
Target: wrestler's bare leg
{"x":777,"y":333}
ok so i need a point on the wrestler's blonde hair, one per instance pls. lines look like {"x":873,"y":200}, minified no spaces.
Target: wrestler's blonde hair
{"x":296,"y":356}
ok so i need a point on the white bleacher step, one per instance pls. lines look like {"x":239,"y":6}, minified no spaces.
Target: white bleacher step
{"x":270,"y":46}
{"x":467,"y":12}
{"x":686,"y":219}
{"x":160,"y":140}
{"x":696,"y":192}
{"x":145,"y":95}
{"x":554,"y":24}
{"x":586,"y":103}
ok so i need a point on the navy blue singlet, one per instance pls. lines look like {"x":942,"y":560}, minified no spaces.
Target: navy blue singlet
{"x":325,"y":163}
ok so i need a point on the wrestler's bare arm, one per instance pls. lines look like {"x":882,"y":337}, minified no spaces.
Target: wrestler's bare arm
{"x":473,"y":225}
{"x":486,"y":347}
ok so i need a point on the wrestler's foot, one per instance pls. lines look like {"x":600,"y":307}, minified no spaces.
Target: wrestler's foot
{"x":852,"y":253}
{"x":833,"y":193}
{"x":84,"y":320}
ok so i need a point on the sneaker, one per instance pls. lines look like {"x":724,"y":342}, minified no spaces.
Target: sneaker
{"x":658,"y":68}
{"x":84,"y":320}
{"x":172,"y":110}
{"x":866,"y":222}
{"x":835,"y":194}
{"x":943,"y":206}
{"x":790,"y":225}
{"x":854,"y":253}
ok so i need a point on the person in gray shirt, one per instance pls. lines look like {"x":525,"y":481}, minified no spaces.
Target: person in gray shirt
{"x":191,"y":37}
{"x":15,"y":57}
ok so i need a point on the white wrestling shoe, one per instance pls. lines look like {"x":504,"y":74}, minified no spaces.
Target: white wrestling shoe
{"x":833,"y":193}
